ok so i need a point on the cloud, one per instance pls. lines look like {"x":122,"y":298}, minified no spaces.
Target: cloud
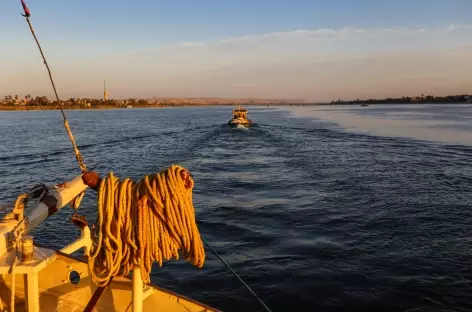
{"x":313,"y":64}
{"x":341,"y":76}
{"x":325,"y":36}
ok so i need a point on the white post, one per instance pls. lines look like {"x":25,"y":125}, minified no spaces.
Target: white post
{"x":31,"y":293}
{"x":84,"y":241}
{"x":137,"y":290}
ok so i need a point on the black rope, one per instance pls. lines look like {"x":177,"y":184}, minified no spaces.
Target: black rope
{"x":78,"y":155}
{"x":237,"y":276}
{"x":27,"y":15}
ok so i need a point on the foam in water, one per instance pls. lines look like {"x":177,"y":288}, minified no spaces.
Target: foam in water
{"x":241,"y":127}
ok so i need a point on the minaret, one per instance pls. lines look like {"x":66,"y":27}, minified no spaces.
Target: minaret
{"x":105,"y":93}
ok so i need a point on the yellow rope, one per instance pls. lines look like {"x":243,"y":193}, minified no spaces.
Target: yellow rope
{"x":78,"y":156}
{"x":75,"y":203}
{"x":139,"y":223}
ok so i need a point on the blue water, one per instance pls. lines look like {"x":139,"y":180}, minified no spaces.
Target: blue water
{"x":315,"y":214}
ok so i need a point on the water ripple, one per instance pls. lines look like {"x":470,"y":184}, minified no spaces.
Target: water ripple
{"x":309,"y":214}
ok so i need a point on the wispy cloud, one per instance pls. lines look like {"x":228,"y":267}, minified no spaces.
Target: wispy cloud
{"x":316,"y":64}
{"x":325,"y":36}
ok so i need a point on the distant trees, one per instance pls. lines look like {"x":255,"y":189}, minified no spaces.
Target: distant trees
{"x":39,"y":101}
{"x":407,"y":99}
{"x":9,"y":99}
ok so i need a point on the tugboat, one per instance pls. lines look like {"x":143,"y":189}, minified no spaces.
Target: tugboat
{"x":239,"y":118}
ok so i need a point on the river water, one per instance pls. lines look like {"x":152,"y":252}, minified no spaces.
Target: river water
{"x":330,"y":208}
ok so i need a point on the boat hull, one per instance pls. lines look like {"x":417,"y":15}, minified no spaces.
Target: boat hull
{"x":58,"y":292}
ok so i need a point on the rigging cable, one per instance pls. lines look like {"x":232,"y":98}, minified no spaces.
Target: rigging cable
{"x":78,"y":155}
{"x":237,"y":276}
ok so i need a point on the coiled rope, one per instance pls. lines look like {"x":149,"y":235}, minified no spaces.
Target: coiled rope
{"x":145,"y":222}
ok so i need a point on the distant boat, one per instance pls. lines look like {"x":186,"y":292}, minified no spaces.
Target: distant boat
{"x":239,"y":118}
{"x":364,"y":104}
{"x":129,"y":106}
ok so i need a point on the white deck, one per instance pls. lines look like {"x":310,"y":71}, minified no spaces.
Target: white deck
{"x":58,"y":293}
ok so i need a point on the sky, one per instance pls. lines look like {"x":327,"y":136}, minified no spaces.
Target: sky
{"x":313,"y":50}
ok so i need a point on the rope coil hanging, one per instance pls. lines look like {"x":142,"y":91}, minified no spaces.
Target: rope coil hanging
{"x":145,"y":222}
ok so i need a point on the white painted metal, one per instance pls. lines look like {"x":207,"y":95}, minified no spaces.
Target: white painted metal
{"x":42,"y":257}
{"x":64,"y":193}
{"x":57,"y":293}
{"x":5,"y":229}
{"x":38,"y":214}
{"x":68,"y":191}
{"x":137,"y":290}
{"x":32,"y":292}
{"x":84,"y":241}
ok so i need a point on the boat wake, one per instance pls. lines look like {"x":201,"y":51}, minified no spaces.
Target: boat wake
{"x":241,"y":127}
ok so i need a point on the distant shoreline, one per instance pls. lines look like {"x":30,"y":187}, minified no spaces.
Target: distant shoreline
{"x":78,"y":107}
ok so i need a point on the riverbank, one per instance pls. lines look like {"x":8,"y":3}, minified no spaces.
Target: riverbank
{"x":78,"y":107}
{"x":55,"y":107}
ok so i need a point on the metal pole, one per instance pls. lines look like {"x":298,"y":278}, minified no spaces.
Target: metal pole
{"x":137,"y":290}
